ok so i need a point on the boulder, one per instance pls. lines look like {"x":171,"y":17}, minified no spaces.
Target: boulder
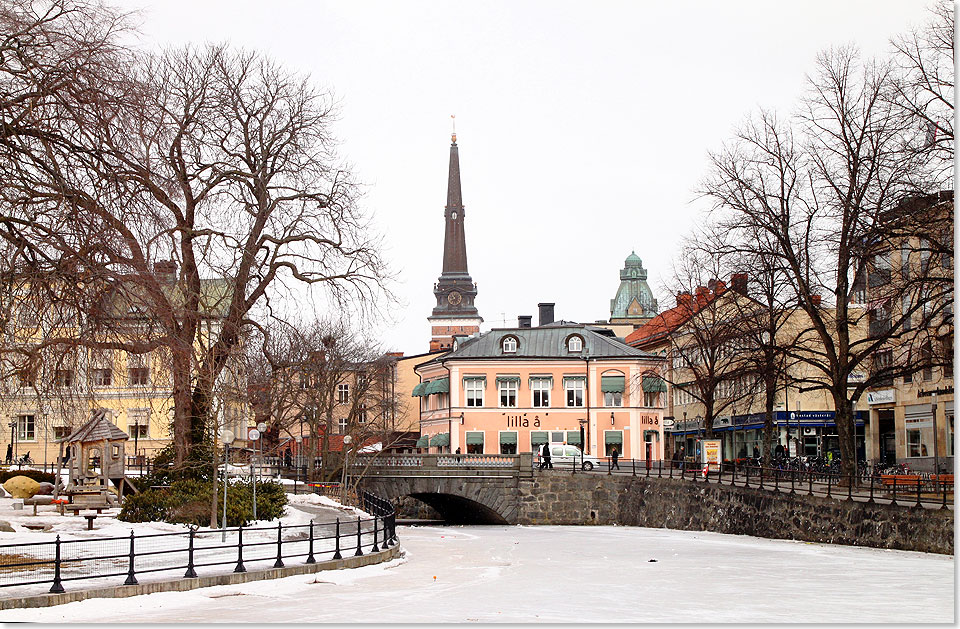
{"x":21,"y":486}
{"x":45,"y":489}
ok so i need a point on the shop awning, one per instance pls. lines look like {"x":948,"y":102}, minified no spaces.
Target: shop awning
{"x":440,"y":385}
{"x":612,"y":384}
{"x":474,"y":438}
{"x":613,"y":436}
{"x":419,"y":390}
{"x":654,"y":384}
{"x":573,"y":437}
{"x":441,"y":439}
{"x":548,"y":379}
{"x":508,"y":437}
{"x":423,"y":441}
{"x":537,"y":437}
{"x":508,"y":378}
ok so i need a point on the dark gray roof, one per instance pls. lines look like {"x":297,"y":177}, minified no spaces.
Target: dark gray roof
{"x":97,"y":429}
{"x":547,"y":341}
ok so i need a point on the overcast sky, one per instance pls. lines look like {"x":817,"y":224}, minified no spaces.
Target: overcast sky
{"x":583,"y":127}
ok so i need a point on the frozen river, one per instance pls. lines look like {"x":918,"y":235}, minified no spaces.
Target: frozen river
{"x":565,"y":574}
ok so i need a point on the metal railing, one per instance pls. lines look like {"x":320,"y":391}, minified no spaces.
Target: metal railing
{"x":190,"y":553}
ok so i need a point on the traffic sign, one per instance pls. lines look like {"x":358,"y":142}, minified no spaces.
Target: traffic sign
{"x":253,"y":435}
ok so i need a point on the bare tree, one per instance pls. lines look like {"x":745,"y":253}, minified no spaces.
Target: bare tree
{"x":826,"y":202}
{"x":220,"y":162}
{"x":708,"y":349}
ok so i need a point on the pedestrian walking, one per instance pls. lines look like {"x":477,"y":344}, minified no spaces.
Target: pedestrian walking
{"x":287,"y":458}
{"x":547,"y":460}
{"x":9,"y":453}
{"x":756,"y":451}
{"x":614,"y":455}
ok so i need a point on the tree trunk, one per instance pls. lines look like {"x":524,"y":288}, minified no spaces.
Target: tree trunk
{"x":845,"y":431}
{"x":181,"y":404}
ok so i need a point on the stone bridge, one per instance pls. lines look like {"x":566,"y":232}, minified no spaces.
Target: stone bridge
{"x":505,"y":489}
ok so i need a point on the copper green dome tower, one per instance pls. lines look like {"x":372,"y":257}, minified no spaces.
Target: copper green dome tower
{"x":634,"y":302}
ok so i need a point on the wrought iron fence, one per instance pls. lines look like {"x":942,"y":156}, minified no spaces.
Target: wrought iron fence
{"x":191,"y":553}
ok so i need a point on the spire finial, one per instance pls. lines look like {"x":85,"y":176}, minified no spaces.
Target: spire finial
{"x":453,"y":121}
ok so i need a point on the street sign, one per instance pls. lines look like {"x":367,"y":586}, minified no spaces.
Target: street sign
{"x":253,"y":435}
{"x":262,"y":427}
{"x":668,"y":423}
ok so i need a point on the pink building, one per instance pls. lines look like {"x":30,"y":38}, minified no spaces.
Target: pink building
{"x":508,"y":390}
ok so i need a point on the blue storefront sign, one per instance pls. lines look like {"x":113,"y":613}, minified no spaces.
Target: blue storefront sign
{"x":782,"y":418}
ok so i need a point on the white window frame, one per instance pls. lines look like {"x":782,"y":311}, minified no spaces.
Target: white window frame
{"x":473,"y":392}
{"x":98,"y":379}
{"x":26,"y":427}
{"x":509,"y":345}
{"x":612,"y":398}
{"x":542,"y":386}
{"x":343,"y":393}
{"x":575,"y":344}
{"x":138,"y":419}
{"x":574,"y":385}
{"x":508,"y":387}
{"x":136,"y":368}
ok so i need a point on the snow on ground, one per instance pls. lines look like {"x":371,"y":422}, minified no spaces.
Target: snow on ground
{"x":559,"y":574}
{"x":259,"y":540}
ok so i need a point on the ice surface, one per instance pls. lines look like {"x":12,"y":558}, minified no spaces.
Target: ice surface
{"x":558,"y":574}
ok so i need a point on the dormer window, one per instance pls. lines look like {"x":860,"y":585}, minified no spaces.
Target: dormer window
{"x":574,"y":344}
{"x":509,"y":345}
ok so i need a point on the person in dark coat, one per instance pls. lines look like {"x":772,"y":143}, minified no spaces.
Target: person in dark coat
{"x":547,"y":459}
{"x":756,"y":451}
{"x":778,"y":451}
{"x":9,"y":453}
{"x":287,"y":458}
{"x":614,"y":455}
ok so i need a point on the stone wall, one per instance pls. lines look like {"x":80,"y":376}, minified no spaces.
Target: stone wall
{"x":675,"y":504}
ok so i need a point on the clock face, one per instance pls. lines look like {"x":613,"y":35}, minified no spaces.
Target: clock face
{"x":454,"y":298}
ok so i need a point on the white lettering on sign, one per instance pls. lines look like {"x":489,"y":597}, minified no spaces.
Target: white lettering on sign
{"x":886,"y":396}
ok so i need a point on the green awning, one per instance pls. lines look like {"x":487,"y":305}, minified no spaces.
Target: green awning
{"x":612,"y":384}
{"x":571,"y":378}
{"x":423,"y":441}
{"x":654,"y":384}
{"x":482,"y":379}
{"x":573,"y":437}
{"x":537,"y":437}
{"x":508,"y":437}
{"x":474,"y":438}
{"x":440,"y":385}
{"x":419,"y":390}
{"x":441,"y":439}
{"x":613,"y":436}
{"x":508,"y":379}
{"x":547,"y":379}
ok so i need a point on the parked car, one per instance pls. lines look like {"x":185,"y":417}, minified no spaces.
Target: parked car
{"x":564,"y":455}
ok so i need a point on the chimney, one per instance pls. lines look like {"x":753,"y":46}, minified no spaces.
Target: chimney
{"x":435,"y":345}
{"x":702,"y":293}
{"x":166,"y":270}
{"x":684,"y":298}
{"x":815,"y":300}
{"x":738,"y":282}
{"x":546,"y":313}
{"x":523,"y":321}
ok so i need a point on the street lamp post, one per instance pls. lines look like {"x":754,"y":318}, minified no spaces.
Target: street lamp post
{"x":226,"y":438}
{"x":347,"y":439}
{"x":936,"y":455}
{"x":298,"y":439}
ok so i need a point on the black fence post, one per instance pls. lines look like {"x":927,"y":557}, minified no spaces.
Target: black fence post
{"x":660,"y":468}
{"x":671,"y":471}
{"x":57,"y":587}
{"x":240,"y":567}
{"x":893,"y":501}
{"x":746,"y":482}
{"x":375,"y":548}
{"x":633,"y":465}
{"x":870,"y":501}
{"x":761,"y":476}
{"x":190,"y":573}
{"x":609,"y":466}
{"x":359,"y":551}
{"x":776,"y":479}
{"x":829,"y":482}
{"x":943,"y":489}
{"x":793,"y":479}
{"x":131,"y":577}
{"x":850,"y":487}
{"x":279,"y":562}
{"x":809,"y":483}
{"x":310,"y":557}
{"x":919,"y":483}
{"x":336,"y":553}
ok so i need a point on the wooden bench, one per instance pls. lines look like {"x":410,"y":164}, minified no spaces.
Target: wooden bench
{"x":81,"y":507}
{"x":941,"y":481}
{"x":891,"y":481}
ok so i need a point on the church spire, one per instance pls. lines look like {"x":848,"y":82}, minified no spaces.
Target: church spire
{"x":454,"y":243}
{"x":455,"y":312}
